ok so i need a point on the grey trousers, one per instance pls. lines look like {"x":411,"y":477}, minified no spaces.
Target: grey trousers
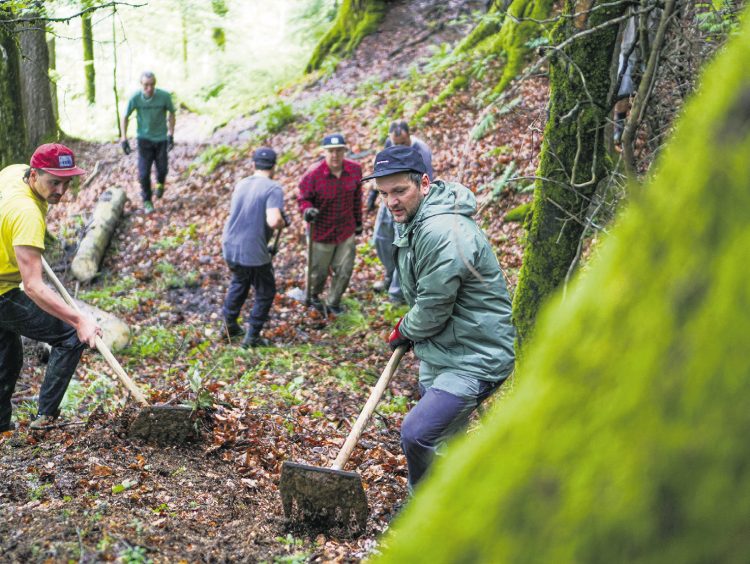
{"x":339,"y":259}
{"x":382,"y":240}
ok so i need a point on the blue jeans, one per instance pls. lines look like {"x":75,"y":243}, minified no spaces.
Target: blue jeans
{"x":243,"y":278}
{"x":438,"y":415}
{"x":150,"y":152}
{"x":21,"y":316}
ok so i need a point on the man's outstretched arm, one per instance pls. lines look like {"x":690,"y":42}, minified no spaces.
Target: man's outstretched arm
{"x":30,"y":265}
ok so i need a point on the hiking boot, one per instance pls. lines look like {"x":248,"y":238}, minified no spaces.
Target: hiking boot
{"x":253,"y":340}
{"x":379,"y":286}
{"x":7,"y":428}
{"x":148,"y":207}
{"x":43,"y":422}
{"x":159,"y":190}
{"x":317,"y":304}
{"x":336,"y":309}
{"x":232,"y":328}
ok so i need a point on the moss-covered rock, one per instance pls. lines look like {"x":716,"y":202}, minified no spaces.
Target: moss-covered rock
{"x":355,"y":19}
{"x":626,"y":439}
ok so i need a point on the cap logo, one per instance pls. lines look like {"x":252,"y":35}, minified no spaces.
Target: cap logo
{"x":381,"y":162}
{"x":65,"y":161}
{"x":335,"y":140}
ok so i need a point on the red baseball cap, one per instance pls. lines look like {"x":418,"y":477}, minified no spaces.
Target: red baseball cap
{"x":56,"y":159}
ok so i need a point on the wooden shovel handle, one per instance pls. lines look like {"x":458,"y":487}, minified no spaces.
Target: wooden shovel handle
{"x":100,"y":345}
{"x":367,"y":411}
{"x":308,"y":273}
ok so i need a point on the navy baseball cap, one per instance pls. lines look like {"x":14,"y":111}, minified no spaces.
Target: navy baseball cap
{"x":264,"y":157}
{"x":395,"y":159}
{"x":333,"y":141}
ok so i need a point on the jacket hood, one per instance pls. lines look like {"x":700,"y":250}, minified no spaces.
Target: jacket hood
{"x":443,"y":198}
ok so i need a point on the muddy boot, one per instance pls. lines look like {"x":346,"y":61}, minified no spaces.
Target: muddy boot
{"x":232,"y":328}
{"x":253,"y":339}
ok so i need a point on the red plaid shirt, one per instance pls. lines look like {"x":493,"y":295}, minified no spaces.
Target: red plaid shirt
{"x":338,"y":199}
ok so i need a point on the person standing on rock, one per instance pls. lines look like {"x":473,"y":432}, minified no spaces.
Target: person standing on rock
{"x":459,"y":320}
{"x":330,"y":200}
{"x":36,"y":312}
{"x":155,"y":135}
{"x":257,"y":209}
{"x":384,"y":233}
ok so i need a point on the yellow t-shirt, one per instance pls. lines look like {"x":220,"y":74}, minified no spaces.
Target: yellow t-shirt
{"x":22,"y":222}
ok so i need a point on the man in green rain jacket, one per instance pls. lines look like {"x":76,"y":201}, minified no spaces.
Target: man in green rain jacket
{"x":459,"y":318}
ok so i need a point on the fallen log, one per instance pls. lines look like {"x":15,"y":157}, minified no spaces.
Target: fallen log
{"x":91,"y":250}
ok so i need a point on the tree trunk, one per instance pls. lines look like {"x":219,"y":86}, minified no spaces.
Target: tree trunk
{"x":52,"y":52}
{"x":184,"y":29}
{"x":12,"y":131}
{"x":219,"y":36}
{"x":87,"y":34}
{"x":38,"y":111}
{"x":626,"y":438}
{"x":355,"y":20}
{"x":572,"y":160}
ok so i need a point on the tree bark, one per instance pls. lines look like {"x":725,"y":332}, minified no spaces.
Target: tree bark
{"x":52,"y":53}
{"x":12,"y":130}
{"x":38,"y":110}
{"x":572,"y":160}
{"x":87,"y":35}
{"x":355,"y":19}
{"x":625,"y":439}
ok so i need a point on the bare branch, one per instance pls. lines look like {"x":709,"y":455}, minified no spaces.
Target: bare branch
{"x":37,"y":18}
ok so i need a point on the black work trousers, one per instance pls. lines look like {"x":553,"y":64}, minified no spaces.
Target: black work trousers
{"x":243,"y":278}
{"x":150,"y":153}
{"x":21,"y":316}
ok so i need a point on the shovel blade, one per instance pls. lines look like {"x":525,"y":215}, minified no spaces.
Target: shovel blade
{"x":323,"y":499}
{"x":164,"y":424}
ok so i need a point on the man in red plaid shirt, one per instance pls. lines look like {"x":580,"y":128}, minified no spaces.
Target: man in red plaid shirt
{"x":330,"y":200}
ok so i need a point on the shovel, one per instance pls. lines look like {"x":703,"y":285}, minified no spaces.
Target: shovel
{"x":158,"y":423}
{"x":327,"y":498}
{"x":297,"y":293}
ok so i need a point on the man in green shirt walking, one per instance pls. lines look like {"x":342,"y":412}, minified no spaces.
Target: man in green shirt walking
{"x":155,"y":134}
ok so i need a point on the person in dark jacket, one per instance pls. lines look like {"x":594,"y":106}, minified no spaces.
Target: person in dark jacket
{"x":459,"y":321}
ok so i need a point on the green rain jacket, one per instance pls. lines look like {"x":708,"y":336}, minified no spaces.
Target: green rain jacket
{"x":459,"y":316}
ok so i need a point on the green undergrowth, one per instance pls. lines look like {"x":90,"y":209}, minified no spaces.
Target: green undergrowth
{"x":119,"y":296}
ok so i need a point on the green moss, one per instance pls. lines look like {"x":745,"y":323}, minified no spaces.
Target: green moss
{"x":626,"y":437}
{"x":458,"y":83}
{"x":355,"y":20}
{"x":516,"y":35}
{"x":573,"y":145}
{"x":519,"y":213}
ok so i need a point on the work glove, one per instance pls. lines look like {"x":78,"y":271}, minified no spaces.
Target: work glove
{"x":358,"y":229}
{"x":126,"y":147}
{"x":170,"y":142}
{"x":311,"y":214}
{"x":396,"y":339}
{"x":286,"y":218}
{"x":272,"y":250}
{"x":372,"y":198}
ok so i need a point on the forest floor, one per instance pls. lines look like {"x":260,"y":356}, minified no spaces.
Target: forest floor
{"x":85,"y":491}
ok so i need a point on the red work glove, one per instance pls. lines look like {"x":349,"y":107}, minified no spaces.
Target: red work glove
{"x":396,"y":339}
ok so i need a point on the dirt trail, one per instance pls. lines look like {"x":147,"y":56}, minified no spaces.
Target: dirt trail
{"x":86,"y":493}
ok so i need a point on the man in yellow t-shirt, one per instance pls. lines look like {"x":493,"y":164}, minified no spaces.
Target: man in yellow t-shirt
{"x":36,"y":312}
